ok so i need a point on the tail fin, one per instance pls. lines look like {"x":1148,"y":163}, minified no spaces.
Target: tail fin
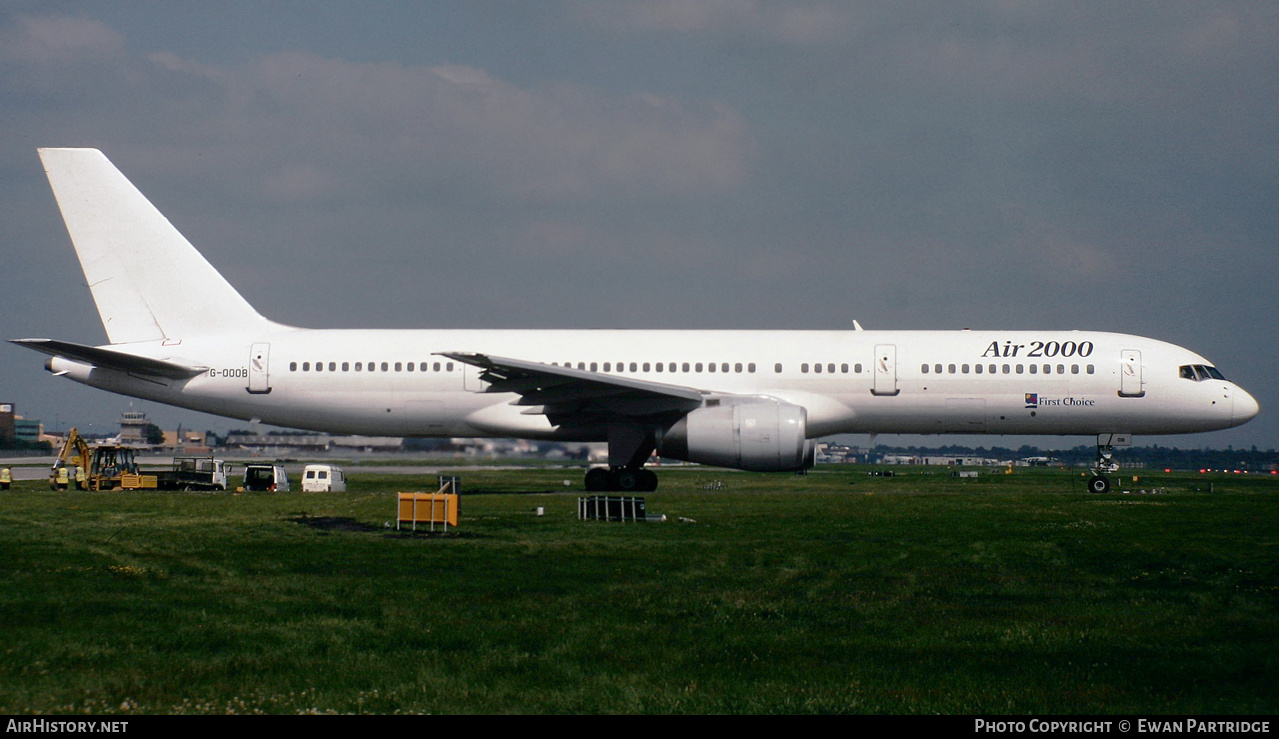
{"x":148,"y":281}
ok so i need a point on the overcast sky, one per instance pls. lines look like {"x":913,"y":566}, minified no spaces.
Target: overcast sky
{"x":665,"y":164}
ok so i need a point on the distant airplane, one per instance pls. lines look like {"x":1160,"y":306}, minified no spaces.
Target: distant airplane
{"x":753,"y":400}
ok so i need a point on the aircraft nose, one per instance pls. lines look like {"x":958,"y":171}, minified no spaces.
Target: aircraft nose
{"x":1245,"y":407}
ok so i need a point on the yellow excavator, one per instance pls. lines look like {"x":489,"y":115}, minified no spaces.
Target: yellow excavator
{"x":103,"y":467}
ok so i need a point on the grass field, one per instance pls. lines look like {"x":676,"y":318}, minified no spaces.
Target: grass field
{"x":833,"y":592}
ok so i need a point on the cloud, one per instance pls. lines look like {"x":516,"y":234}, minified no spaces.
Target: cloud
{"x":790,"y":23}
{"x":305,"y":119}
{"x":59,"y":41}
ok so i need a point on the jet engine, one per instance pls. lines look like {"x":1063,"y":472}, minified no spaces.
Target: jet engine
{"x":764,"y":436}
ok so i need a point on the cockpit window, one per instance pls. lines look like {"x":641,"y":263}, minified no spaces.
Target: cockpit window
{"x":1200,"y":372}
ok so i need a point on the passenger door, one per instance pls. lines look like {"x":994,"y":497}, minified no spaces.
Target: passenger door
{"x":885,"y":372}
{"x":259,"y":374}
{"x":1130,"y":374}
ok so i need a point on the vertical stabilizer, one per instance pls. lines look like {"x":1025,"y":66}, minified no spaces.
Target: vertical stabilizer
{"x":148,"y":281}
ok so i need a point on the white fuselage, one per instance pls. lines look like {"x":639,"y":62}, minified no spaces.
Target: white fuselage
{"x":395,"y":382}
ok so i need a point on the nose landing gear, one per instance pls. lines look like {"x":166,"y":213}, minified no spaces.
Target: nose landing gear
{"x":1106,"y":463}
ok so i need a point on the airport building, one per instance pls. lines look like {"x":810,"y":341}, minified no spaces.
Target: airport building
{"x":133,"y":428}
{"x":6,"y":423}
{"x":27,"y":429}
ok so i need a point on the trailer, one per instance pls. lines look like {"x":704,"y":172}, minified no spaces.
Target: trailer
{"x":193,"y":473}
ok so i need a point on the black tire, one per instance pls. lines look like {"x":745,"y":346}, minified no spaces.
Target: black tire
{"x":627,"y":481}
{"x":597,"y":480}
{"x":1099,"y":484}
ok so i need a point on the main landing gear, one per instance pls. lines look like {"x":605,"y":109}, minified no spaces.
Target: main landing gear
{"x":629,"y":446}
{"x":1106,"y":463}
{"x":621,"y":479}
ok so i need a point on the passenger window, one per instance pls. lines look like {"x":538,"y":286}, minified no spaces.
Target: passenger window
{"x":777,"y":368}
{"x":293,"y":366}
{"x":923,"y":368}
{"x":346,"y":366}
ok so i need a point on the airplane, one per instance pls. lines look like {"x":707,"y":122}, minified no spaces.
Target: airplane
{"x":180,"y":334}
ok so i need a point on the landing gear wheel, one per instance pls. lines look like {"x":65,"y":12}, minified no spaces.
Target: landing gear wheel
{"x":597,"y":480}
{"x":620,"y":479}
{"x":626,"y":480}
{"x":1099,"y":484}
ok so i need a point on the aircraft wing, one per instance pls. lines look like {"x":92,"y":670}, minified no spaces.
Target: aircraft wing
{"x":567,"y":395}
{"x":111,"y":359}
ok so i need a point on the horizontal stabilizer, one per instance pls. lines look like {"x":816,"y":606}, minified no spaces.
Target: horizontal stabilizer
{"x":111,"y":359}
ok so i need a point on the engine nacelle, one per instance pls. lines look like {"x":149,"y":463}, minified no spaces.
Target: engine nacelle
{"x":766,"y":436}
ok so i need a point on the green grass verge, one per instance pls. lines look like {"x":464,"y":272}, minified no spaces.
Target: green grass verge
{"x":833,"y":592}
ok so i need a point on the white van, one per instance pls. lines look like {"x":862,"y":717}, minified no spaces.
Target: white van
{"x":266,"y":477}
{"x":323,"y":478}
